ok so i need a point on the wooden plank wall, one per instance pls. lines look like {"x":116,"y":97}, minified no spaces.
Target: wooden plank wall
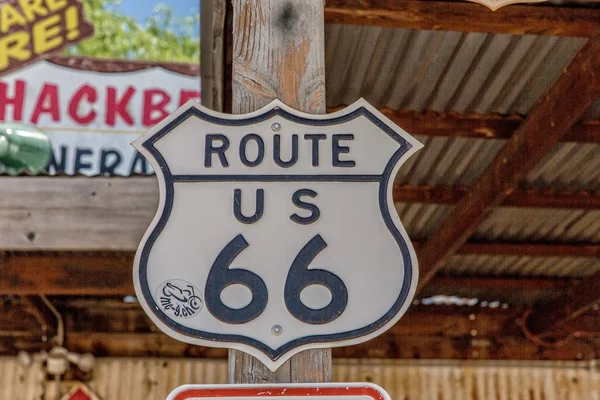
{"x":75,"y":213}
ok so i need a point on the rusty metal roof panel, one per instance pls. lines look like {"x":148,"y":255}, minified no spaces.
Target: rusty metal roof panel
{"x":421,"y":220}
{"x":448,"y":161}
{"x":556,"y":267}
{"x":547,"y":225}
{"x":568,"y":166}
{"x":443,"y":71}
{"x":459,"y":161}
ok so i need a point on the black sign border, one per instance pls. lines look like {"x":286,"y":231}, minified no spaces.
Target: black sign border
{"x":383,"y":180}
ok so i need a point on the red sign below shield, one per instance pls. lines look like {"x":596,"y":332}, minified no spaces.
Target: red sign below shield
{"x":324,"y":391}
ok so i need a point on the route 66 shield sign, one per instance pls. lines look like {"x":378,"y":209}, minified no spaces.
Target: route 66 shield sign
{"x":276,"y":231}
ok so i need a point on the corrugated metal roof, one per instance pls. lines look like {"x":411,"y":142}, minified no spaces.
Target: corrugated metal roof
{"x":568,"y":166}
{"x":496,"y":296}
{"x":558,"y":267}
{"x":442,"y":71}
{"x":513,"y":224}
{"x":545,"y":225}
{"x":448,"y":161}
{"x":464,"y":73}
{"x":421,"y":220}
{"x":509,"y":223}
{"x":459,"y":161}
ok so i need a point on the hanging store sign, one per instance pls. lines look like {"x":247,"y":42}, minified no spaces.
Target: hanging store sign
{"x":92,"y":117}
{"x":277,"y":230}
{"x":29,"y":30}
{"x":496,"y":4}
{"x":298,"y":391}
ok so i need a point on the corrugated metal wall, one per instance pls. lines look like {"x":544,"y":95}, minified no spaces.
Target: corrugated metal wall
{"x":18,"y":382}
{"x":153,"y":379}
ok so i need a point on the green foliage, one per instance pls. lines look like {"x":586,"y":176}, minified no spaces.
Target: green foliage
{"x":162,"y":38}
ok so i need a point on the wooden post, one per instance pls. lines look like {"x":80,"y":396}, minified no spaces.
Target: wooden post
{"x":279,"y":52}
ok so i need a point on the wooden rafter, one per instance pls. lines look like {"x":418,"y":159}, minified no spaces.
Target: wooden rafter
{"x":465,"y":17}
{"x":578,"y":299}
{"x":113,"y":328}
{"x":518,"y":198}
{"x":476,"y":126}
{"x":564,"y":104}
{"x":67,"y":273}
{"x":384,"y":346}
{"x":106,"y":275}
{"x":532,"y":249}
{"x":441,"y":284}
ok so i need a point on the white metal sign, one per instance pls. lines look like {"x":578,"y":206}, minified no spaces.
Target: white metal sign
{"x":321,"y":391}
{"x":276,"y":230}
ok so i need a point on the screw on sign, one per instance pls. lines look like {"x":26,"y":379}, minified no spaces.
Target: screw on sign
{"x":276,"y":230}
{"x":323,"y":391}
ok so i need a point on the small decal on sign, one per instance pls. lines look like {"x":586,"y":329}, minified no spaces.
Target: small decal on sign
{"x":496,"y":4}
{"x":179,"y":298}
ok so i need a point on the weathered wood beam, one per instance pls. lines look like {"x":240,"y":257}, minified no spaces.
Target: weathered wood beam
{"x":450,"y":321}
{"x":112,"y":213}
{"x":447,"y":321}
{"x":465,"y":17}
{"x":443,"y":333}
{"x":107,"y":329}
{"x":532,"y":198}
{"x":445,"y":283}
{"x":531,"y":250}
{"x":578,"y":299}
{"x":476,"y":126}
{"x":113,"y":328}
{"x":60,"y":213}
{"x":564,"y":104}
{"x":66,"y":274}
{"x":110,"y":274}
{"x":384,"y":346}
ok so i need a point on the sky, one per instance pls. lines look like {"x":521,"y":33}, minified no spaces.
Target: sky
{"x":143,"y":9}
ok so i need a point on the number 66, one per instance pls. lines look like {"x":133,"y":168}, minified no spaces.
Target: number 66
{"x":298,"y":278}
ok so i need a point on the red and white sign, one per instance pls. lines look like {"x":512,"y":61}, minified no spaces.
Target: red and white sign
{"x":92,"y":117}
{"x":80,"y":392}
{"x":323,"y":391}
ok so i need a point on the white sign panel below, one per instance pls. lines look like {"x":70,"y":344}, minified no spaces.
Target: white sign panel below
{"x":276,"y":230}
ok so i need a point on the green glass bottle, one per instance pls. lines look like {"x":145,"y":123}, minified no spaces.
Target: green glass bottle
{"x":23,"y":148}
